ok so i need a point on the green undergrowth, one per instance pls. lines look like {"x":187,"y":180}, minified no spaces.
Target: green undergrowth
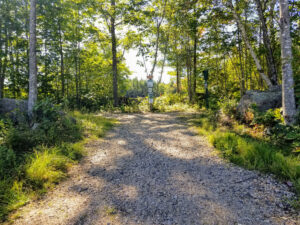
{"x":241,"y":148}
{"x":94,"y":125}
{"x":164,"y":103}
{"x":29,"y":170}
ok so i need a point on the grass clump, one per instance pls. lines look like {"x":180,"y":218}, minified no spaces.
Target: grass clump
{"x":250,"y":152}
{"x":46,"y":168}
{"x":258,"y":155}
{"x":12,"y":195}
{"x":94,"y":125}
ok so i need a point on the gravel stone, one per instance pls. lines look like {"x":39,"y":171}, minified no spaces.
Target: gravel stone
{"x":153,"y":169}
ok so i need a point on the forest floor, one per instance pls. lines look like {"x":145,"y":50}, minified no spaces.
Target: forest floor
{"x":153,"y":169}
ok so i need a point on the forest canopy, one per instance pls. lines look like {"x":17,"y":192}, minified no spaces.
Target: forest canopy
{"x":81,"y":47}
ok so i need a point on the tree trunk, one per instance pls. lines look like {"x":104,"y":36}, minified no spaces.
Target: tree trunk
{"x":189,"y":72}
{"x":242,"y":80}
{"x":272,"y":72}
{"x":177,"y":74}
{"x":247,"y":42}
{"x":288,"y":98}
{"x":77,"y":78}
{"x":156,"y":49}
{"x":114,"y":55}
{"x":163,"y":65}
{"x":159,"y":22}
{"x":5,"y":61}
{"x":32,"y":98}
{"x":62,"y":74}
{"x":195,"y":66}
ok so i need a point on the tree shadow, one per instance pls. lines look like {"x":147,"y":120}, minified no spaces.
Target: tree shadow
{"x":150,"y":186}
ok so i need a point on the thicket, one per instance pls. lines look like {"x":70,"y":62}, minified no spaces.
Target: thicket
{"x":35,"y":154}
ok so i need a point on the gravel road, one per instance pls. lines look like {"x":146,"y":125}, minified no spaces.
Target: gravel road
{"x":152,"y":169}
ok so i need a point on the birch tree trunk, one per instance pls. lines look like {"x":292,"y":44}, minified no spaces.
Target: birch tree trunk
{"x":163,"y":65}
{"x":114,"y":54}
{"x":158,"y":25}
{"x":32,"y":97}
{"x":288,"y":98}
{"x":247,"y":42}
{"x":62,"y":73}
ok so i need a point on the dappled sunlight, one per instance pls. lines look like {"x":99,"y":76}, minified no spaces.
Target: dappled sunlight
{"x":59,"y":208}
{"x":129,"y":192}
{"x":159,"y":172}
{"x":186,"y":184}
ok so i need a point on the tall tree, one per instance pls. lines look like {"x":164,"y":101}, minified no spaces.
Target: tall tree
{"x":32,"y":97}
{"x":114,"y":52}
{"x":247,"y":42}
{"x":271,"y":64}
{"x":288,"y":98}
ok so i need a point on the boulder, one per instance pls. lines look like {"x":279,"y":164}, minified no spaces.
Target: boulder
{"x":8,"y":106}
{"x":264,"y":100}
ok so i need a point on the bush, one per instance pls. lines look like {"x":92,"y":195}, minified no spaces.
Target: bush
{"x":23,"y":139}
{"x":228,"y":107}
{"x":49,"y":126}
{"x":7,"y":162}
{"x":269,"y":118}
{"x":285,"y":135}
{"x":4,"y":127}
{"x":53,"y":135}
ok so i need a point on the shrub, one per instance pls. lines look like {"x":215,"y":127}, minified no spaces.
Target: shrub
{"x":269,"y":118}
{"x":7,"y":162}
{"x":52,"y":134}
{"x":4,"y":127}
{"x":167,"y":100}
{"x":55,"y":124}
{"x":228,"y":107}
{"x":286,"y":135}
{"x":22,"y":139}
{"x":50,"y":127}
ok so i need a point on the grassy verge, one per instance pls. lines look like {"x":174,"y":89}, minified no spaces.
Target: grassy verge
{"x":28,"y":174}
{"x":240,"y":147}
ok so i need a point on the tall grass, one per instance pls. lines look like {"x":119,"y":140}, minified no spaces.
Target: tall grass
{"x":250,"y":152}
{"x":32,"y":173}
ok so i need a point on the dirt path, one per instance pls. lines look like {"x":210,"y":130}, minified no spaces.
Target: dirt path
{"x":153,"y":170}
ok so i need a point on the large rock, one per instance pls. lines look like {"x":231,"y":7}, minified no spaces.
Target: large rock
{"x":264,"y":100}
{"x":8,"y":106}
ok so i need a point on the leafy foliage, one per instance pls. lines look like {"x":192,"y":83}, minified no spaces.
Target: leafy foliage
{"x":8,"y":162}
{"x":269,"y":118}
{"x":50,"y":127}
